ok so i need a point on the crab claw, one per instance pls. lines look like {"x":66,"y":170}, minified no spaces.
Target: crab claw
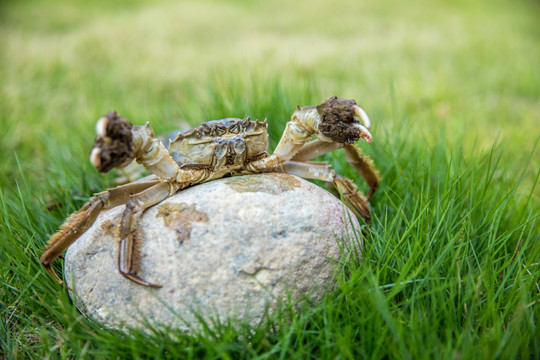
{"x":358,"y":111}
{"x":113,"y":146}
{"x":364,"y":133}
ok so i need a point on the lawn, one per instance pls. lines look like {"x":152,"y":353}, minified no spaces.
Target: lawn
{"x":451,"y":267}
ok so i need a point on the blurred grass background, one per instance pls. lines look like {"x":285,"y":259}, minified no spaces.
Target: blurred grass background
{"x":453,"y":90}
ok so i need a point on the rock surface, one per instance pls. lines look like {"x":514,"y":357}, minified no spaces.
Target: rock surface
{"x":226,"y":248}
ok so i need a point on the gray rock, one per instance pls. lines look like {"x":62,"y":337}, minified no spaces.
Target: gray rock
{"x":226,"y":248}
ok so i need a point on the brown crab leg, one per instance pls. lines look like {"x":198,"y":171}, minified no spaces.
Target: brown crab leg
{"x":358,"y":202}
{"x":134,"y":208}
{"x":81,"y":220}
{"x":364,"y":165}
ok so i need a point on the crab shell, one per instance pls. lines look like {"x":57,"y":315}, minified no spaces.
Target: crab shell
{"x":227,"y":142}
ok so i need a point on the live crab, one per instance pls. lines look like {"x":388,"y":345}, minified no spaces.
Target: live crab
{"x":213,"y":150}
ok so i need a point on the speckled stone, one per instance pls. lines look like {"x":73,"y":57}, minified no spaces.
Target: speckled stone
{"x":226,"y":248}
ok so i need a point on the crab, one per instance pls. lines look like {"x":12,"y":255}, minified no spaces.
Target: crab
{"x":215,"y":149}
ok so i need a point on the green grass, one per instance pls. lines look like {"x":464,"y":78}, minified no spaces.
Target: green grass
{"x":451,"y":267}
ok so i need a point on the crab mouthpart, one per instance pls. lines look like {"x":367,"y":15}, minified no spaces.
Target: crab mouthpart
{"x":95,"y":157}
{"x":358,"y":111}
{"x":364,"y":132}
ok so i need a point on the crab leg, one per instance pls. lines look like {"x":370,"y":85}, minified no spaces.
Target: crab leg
{"x":293,"y":139}
{"x":81,"y":220}
{"x":364,"y":165}
{"x":301,"y":166}
{"x":359,"y":162}
{"x":315,"y":148}
{"x":134,"y":209}
{"x":322,"y":171}
{"x":357,"y":201}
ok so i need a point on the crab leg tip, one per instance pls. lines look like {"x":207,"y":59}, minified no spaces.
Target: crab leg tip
{"x":358,"y":111}
{"x":52,"y":273}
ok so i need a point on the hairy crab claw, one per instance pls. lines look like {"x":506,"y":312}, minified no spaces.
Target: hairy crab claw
{"x":113,"y":145}
{"x":337,"y":121}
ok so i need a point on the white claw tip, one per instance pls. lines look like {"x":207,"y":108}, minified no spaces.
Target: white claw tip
{"x":101,"y":126}
{"x":364,"y":133}
{"x":95,"y":157}
{"x":358,"y":111}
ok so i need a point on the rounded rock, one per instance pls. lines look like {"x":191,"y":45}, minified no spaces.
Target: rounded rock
{"x":229,"y":248}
